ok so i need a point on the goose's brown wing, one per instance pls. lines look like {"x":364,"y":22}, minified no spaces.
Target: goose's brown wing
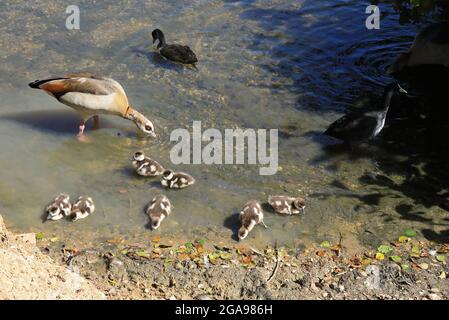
{"x":59,"y":86}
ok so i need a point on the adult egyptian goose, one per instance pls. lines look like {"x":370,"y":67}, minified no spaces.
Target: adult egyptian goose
{"x":92,"y":95}
{"x":173,"y":52}
{"x":431,"y":47}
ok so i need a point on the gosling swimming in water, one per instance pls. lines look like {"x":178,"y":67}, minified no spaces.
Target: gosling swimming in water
{"x":59,"y":208}
{"x":287,"y":205}
{"x":158,"y":209}
{"x":83,"y":207}
{"x":250,"y":216}
{"x":145,"y":166}
{"x":176,"y":180}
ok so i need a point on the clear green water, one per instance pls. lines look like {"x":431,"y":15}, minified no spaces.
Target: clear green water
{"x":292,"y":65}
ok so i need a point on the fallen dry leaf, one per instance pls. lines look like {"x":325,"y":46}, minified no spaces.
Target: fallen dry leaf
{"x":320,"y":253}
{"x":183,"y":256}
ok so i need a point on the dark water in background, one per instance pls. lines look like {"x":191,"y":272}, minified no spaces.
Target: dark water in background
{"x":292,"y":65}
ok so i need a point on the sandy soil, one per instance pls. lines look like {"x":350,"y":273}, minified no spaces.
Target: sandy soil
{"x":26,"y":273}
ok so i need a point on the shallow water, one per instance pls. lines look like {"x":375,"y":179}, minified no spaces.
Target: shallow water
{"x":292,"y":65}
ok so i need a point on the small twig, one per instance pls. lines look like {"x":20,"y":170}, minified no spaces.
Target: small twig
{"x":273,"y":274}
{"x":340,"y":247}
{"x":257,"y":252}
{"x":341,"y":273}
{"x":366,"y":296}
{"x":263,"y":223}
{"x":130,"y":206}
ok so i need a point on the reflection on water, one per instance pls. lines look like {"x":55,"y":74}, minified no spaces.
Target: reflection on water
{"x":292,"y":65}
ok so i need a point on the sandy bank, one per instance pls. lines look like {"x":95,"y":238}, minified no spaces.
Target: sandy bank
{"x":25,"y":273}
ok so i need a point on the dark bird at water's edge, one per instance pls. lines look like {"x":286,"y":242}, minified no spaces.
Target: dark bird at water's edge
{"x":363,"y":125}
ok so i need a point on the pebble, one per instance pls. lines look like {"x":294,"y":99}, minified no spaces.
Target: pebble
{"x":435,"y":290}
{"x":325,"y":294}
{"x":202,"y":297}
{"x":372,"y":282}
{"x":112,"y":291}
{"x":116,"y":263}
{"x":434,"y":296}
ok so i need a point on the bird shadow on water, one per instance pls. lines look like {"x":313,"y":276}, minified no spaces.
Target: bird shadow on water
{"x":156,"y":184}
{"x":158,"y":61}
{"x":232,"y":223}
{"x":57,"y":121}
{"x":44,"y":216}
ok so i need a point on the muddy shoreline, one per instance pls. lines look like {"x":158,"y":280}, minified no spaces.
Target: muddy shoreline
{"x":171,"y":269}
{"x":406,"y":268}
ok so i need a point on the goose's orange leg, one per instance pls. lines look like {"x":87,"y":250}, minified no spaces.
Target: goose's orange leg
{"x":81,"y":128}
{"x":80,"y":135}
